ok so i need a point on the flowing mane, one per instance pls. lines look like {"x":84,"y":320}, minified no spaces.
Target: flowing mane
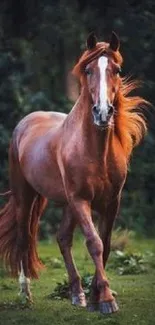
{"x":130,"y":123}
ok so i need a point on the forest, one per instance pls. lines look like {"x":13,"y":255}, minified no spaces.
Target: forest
{"x":40,"y":41}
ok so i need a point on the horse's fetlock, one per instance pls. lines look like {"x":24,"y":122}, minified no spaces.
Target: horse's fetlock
{"x":75,"y":284}
{"x":102,"y":284}
{"x":75,"y":280}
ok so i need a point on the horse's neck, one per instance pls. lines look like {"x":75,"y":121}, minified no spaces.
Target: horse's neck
{"x":81,"y":120}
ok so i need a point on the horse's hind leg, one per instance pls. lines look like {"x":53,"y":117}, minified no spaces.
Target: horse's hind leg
{"x":28,"y":206}
{"x":106,"y":223}
{"x":28,"y":215}
{"x":30,"y":209}
{"x":65,"y":239}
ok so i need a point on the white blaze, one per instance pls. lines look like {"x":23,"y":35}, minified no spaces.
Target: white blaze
{"x":102,"y":63}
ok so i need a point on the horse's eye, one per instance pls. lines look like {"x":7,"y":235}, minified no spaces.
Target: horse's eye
{"x":88,"y":71}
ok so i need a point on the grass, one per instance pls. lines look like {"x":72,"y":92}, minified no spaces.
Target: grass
{"x":136,"y":297}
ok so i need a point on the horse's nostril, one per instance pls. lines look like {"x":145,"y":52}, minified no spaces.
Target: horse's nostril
{"x":111,"y":110}
{"x":95,"y":109}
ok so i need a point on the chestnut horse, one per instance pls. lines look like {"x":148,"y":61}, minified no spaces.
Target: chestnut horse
{"x":79,"y":161}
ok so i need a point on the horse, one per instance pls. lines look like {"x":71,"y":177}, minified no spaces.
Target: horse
{"x":79,"y":161}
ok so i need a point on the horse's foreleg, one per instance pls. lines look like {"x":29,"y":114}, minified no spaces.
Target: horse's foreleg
{"x":24,"y":283}
{"x":82,"y":211}
{"x":65,"y":239}
{"x":106,"y":221}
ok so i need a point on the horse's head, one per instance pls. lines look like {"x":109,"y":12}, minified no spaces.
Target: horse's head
{"x":99,"y":69}
{"x":103,"y":80}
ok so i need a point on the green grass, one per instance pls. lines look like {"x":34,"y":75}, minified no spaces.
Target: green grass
{"x":136,"y":297}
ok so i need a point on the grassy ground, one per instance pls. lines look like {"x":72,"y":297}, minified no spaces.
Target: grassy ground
{"x":136,"y":297}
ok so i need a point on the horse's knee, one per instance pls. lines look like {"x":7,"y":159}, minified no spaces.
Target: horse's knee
{"x":94,"y":243}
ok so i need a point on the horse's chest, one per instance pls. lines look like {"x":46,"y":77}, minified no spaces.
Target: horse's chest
{"x":91,"y":177}
{"x":107,"y":180}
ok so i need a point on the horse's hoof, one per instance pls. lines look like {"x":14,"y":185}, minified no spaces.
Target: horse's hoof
{"x":25,"y":298}
{"x":79,"y":300}
{"x":108,"y":307}
{"x":92,"y":307}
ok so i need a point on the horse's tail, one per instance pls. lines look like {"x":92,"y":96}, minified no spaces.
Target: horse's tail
{"x":18,"y":236}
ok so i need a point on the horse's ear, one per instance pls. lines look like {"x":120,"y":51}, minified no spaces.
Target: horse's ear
{"x":91,"y":41}
{"x":114,"y":42}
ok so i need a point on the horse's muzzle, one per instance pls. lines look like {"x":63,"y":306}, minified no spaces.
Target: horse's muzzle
{"x":102,"y":118}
